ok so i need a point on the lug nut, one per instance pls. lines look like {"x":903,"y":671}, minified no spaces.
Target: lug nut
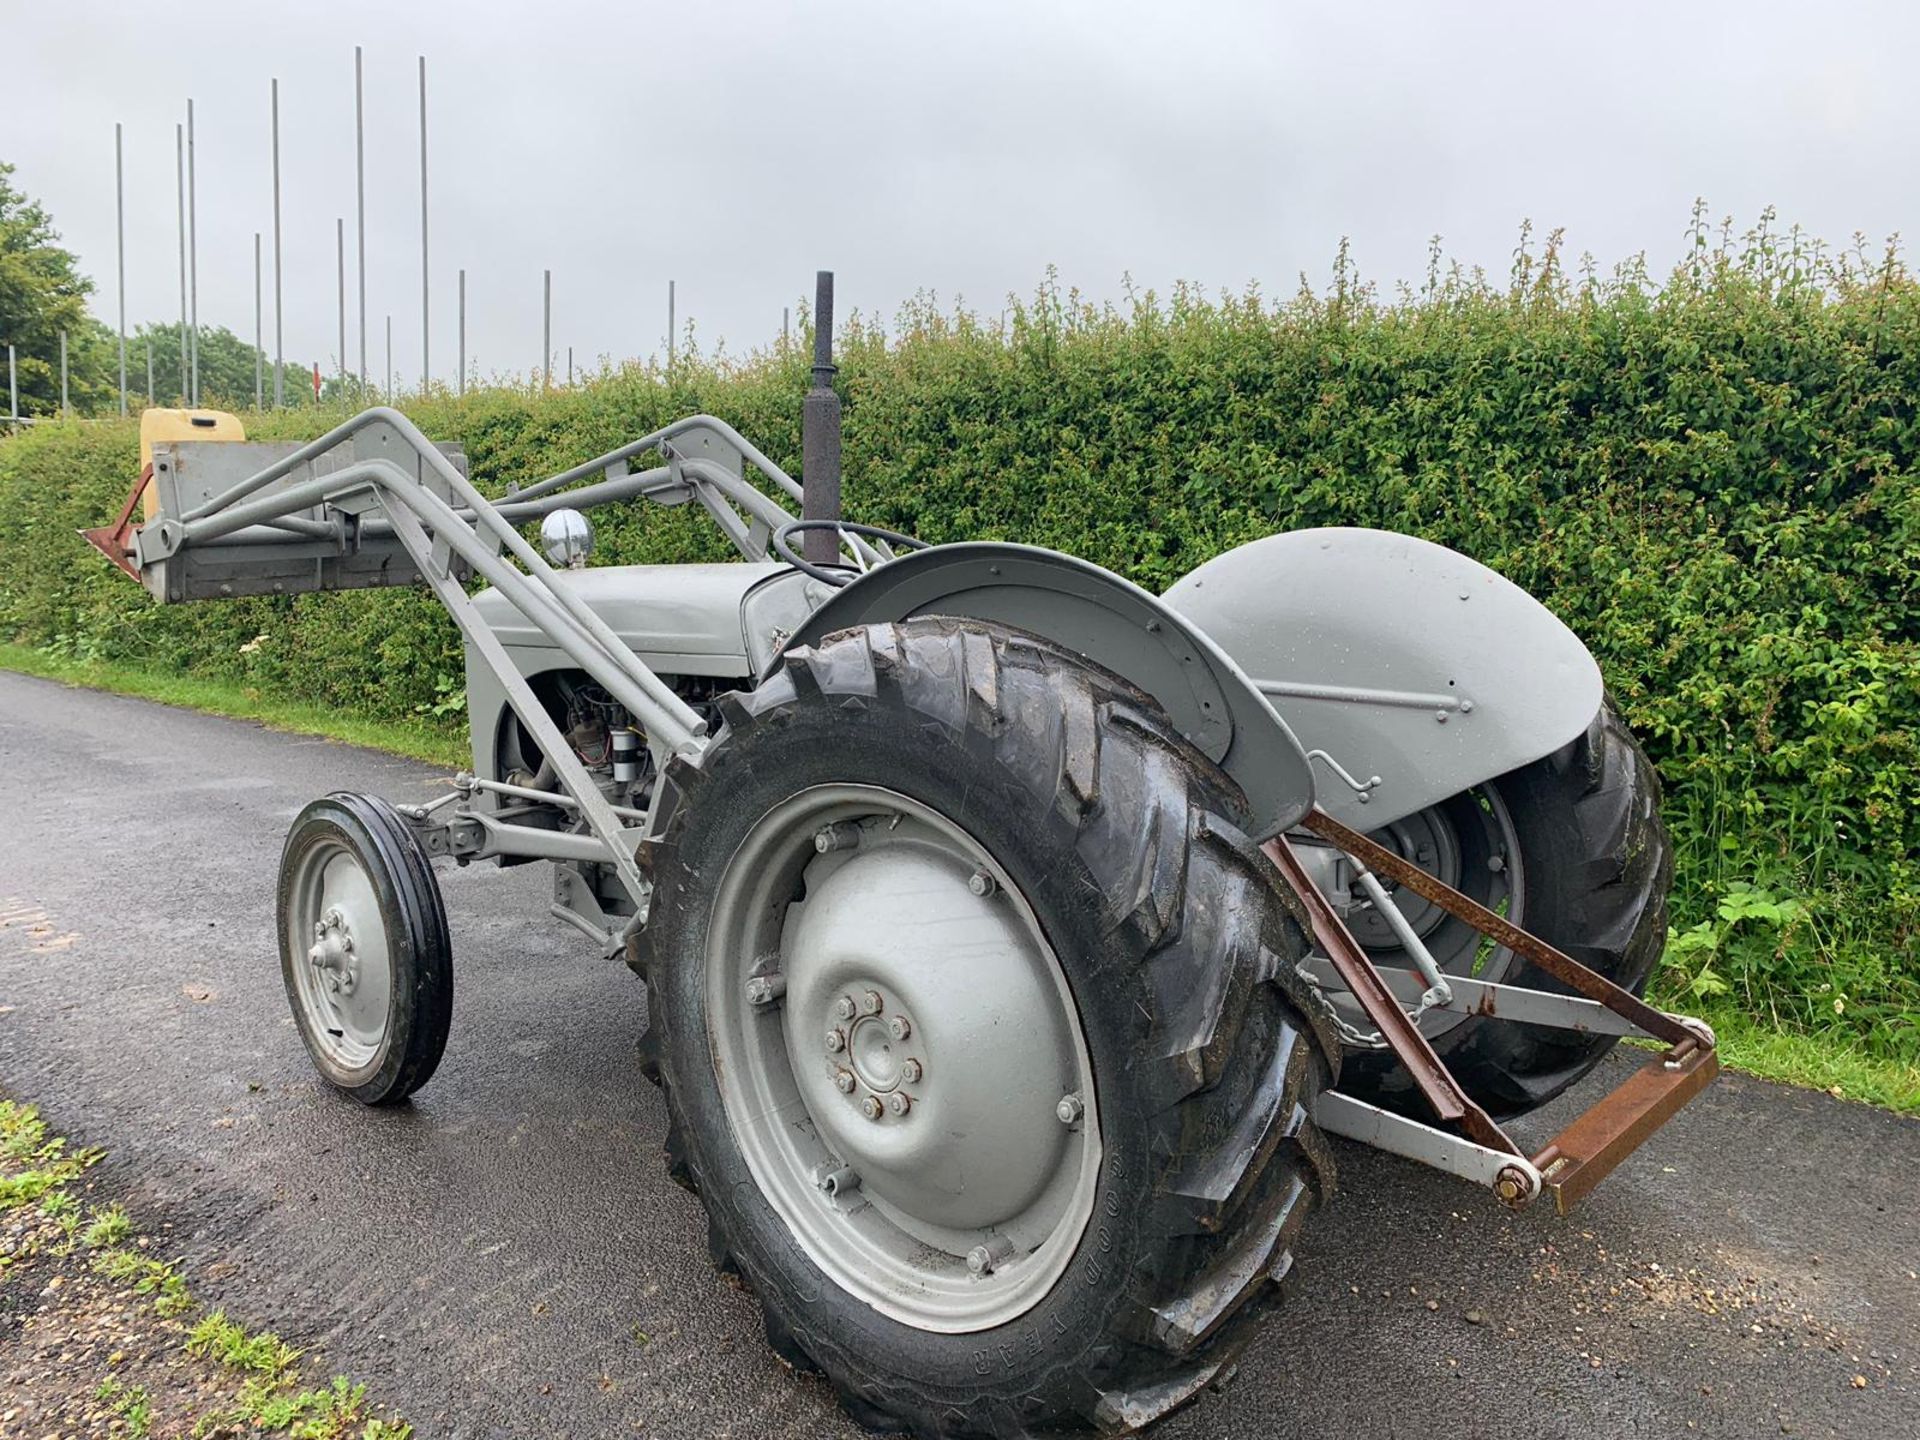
{"x":843,"y":1079}
{"x":871,"y":1107}
{"x":346,"y":943}
{"x":899,"y":1028}
{"x":910,"y":1071}
{"x":870,"y":1003}
{"x":982,"y":883}
{"x":982,"y":1259}
{"x":1070,"y":1109}
{"x":898,"y":1103}
{"x":843,"y":1008}
{"x":836,"y":1040}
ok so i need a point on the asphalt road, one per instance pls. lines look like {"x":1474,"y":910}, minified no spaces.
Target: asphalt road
{"x":507,"y":1257}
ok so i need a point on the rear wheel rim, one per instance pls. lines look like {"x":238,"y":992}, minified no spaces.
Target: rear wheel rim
{"x":1458,"y":841}
{"x":918,"y":1105}
{"x":342,"y":967}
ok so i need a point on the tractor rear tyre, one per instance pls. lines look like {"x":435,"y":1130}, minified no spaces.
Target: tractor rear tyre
{"x":1572,"y":849}
{"x":364,"y":948}
{"x":978,"y":1024}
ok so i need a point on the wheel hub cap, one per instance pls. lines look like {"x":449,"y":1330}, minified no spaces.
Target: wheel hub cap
{"x":345,"y":988}
{"x":950,"y":985}
{"x":900,"y":1058}
{"x":871,"y":1049}
{"x":332,"y":953}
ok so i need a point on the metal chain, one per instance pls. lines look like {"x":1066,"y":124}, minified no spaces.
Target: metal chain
{"x":1351,"y":1034}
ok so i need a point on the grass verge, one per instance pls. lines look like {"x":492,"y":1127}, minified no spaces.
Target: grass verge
{"x":1821,"y":1062}
{"x":99,"y":1335}
{"x":218,"y":697}
{"x":1824,"y":1062}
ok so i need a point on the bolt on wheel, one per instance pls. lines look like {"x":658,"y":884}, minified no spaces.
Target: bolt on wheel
{"x":919,"y":1055}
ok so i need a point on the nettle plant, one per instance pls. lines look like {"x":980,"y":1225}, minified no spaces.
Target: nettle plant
{"x":1748,"y":932}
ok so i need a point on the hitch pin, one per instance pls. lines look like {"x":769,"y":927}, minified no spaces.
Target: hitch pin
{"x":1439,"y":993}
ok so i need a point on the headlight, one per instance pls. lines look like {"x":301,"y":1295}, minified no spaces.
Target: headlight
{"x":567,"y":538}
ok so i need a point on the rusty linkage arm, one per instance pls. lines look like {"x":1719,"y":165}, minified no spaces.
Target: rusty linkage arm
{"x":1587,"y":1150}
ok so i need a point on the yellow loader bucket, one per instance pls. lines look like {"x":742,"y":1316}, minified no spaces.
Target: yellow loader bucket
{"x":157,"y":427}
{"x":160,"y":426}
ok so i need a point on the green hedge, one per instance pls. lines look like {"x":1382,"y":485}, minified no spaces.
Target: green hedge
{"x":1712,"y":479}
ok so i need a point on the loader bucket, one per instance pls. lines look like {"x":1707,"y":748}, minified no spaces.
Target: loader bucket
{"x":169,"y":426}
{"x":197,"y":460}
{"x":162,"y":427}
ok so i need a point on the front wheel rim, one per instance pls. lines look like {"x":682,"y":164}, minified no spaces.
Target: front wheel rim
{"x":341,"y":966}
{"x":900,"y":1058}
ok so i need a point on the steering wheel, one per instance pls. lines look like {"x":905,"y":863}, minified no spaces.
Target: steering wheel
{"x":838,"y":575}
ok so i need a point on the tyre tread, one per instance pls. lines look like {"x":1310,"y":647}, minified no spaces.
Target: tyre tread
{"x":1240,"y":1161}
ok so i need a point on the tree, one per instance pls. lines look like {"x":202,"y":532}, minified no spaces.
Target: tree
{"x":226,"y":368}
{"x":43,"y":293}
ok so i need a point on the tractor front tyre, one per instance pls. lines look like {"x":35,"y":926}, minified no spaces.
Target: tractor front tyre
{"x":980,"y":1034}
{"x":364,"y":948}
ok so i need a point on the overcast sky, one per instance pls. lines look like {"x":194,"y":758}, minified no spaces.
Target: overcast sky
{"x":956,"y":148}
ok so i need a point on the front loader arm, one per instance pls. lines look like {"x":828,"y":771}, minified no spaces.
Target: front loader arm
{"x":376,"y":480}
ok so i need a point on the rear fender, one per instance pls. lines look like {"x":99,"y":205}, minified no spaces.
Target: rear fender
{"x":1395,"y":659}
{"x":1115,"y":624}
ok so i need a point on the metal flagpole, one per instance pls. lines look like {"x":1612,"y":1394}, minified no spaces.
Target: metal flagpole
{"x":120,"y":231}
{"x":279,"y":351}
{"x":149,"y":348}
{"x":360,"y":191}
{"x":259,"y":352}
{"x":389,"y":359}
{"x":340,"y":250}
{"x":462,"y":381}
{"x":426,"y":368}
{"x":670,"y":336}
{"x":180,"y":176}
{"x":13,"y":386}
{"x":65,"y":407}
{"x":193,"y":265}
{"x":546,"y":334}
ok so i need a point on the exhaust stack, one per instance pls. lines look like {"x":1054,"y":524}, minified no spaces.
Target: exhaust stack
{"x":820,"y":434}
